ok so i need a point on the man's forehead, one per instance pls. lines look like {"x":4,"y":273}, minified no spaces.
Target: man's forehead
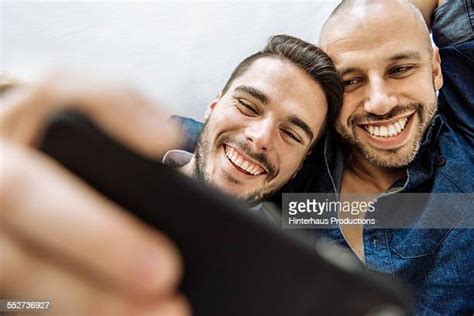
{"x":267,"y":66}
{"x":377,"y":37}
{"x":371,"y":21}
{"x":261,"y":77}
{"x":278,"y":79}
{"x":365,"y":9}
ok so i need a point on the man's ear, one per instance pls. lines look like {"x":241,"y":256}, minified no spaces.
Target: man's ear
{"x":437,"y":74}
{"x":211,"y":106}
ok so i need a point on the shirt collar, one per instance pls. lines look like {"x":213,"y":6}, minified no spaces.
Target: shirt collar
{"x":176,"y":158}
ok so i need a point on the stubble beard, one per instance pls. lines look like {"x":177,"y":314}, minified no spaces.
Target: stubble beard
{"x":396,"y":158}
{"x":202,"y":155}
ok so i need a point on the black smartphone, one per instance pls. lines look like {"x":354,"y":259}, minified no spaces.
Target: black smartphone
{"x":234,"y":262}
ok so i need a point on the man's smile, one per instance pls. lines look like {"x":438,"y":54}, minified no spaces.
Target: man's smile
{"x":242,"y":162}
{"x":388,"y":134}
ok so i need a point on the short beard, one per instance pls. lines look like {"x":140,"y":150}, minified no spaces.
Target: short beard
{"x":201,"y":156}
{"x":396,"y":158}
{"x":202,"y":150}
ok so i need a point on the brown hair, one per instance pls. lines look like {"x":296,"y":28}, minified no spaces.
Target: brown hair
{"x":307,"y":57}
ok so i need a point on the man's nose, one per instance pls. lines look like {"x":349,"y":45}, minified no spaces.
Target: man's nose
{"x":380,"y":98}
{"x":261,"y":134}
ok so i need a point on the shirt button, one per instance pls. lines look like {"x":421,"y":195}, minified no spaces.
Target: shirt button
{"x":440,"y":161}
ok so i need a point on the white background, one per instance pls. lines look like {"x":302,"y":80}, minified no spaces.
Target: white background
{"x":177,"y":53}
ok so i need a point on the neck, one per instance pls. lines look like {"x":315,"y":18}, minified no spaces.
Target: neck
{"x":362,"y":176}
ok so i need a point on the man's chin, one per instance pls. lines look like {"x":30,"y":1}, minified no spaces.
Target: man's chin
{"x":250,"y":198}
{"x":385,"y":158}
{"x":242,"y":195}
{"x":396,"y":158}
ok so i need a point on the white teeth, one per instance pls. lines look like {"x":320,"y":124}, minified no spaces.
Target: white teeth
{"x":390,"y":130}
{"x":398,"y":127}
{"x":234,"y":155}
{"x":240,"y":161}
{"x":403,"y":122}
{"x":253,"y":170}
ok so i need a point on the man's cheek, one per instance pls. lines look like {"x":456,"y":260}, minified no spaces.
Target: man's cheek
{"x":339,"y":127}
{"x":339,"y":119}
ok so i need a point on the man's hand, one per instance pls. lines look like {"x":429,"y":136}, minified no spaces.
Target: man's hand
{"x":60,"y":240}
{"x":119,"y":110}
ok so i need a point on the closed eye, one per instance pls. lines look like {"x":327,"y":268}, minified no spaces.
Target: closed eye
{"x":292,"y":135}
{"x":246,"y":109}
{"x":400,"y":71}
{"x":352,"y":84}
{"x":352,"y":81}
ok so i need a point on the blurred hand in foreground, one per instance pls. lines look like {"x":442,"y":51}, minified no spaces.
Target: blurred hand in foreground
{"x":63,"y":242}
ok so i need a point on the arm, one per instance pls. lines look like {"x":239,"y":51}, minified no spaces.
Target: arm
{"x":452,"y":33}
{"x":427,"y":7}
{"x":122,"y":112}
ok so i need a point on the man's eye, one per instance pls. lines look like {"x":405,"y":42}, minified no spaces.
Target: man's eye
{"x":246,"y":109}
{"x":292,"y":136}
{"x":352,"y":82}
{"x":400,"y":70}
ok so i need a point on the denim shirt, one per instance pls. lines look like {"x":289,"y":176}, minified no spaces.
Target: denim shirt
{"x":437,"y":265}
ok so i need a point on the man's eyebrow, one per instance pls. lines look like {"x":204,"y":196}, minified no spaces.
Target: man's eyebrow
{"x":405,"y":55}
{"x":301,"y":124}
{"x":253,"y":92}
{"x":345,"y":71}
{"x":399,"y":56}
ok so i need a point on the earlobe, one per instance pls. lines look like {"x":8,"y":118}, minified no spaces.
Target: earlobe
{"x":211,"y":106}
{"x":437,"y":73}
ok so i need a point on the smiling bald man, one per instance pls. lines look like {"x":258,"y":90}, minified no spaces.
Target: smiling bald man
{"x":396,"y":135}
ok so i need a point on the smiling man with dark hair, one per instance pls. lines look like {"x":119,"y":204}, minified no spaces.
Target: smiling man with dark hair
{"x":258,"y":132}
{"x":262,"y":125}
{"x":405,"y":126}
